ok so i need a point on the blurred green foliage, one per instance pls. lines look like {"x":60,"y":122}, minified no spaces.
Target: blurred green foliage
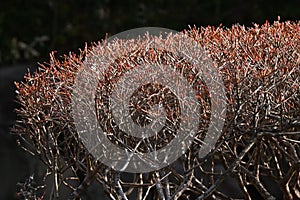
{"x":30,"y":29}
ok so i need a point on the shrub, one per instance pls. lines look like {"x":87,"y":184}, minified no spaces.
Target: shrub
{"x":257,"y":154}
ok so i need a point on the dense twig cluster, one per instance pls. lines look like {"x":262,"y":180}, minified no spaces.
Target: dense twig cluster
{"x":258,"y":152}
{"x":260,"y":67}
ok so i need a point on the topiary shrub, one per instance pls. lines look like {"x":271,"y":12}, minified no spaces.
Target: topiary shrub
{"x":257,"y":155}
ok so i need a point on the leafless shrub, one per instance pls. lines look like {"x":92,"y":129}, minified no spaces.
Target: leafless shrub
{"x":29,"y":190}
{"x":258,"y":152}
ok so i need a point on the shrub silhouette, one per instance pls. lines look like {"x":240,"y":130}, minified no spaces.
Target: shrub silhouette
{"x":257,"y":155}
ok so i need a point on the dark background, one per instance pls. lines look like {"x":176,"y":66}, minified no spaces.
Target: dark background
{"x":31,"y":29}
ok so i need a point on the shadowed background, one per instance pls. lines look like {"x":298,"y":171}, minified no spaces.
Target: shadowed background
{"x":30,"y":29}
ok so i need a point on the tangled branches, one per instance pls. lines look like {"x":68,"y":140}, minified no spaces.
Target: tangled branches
{"x":256,"y":156}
